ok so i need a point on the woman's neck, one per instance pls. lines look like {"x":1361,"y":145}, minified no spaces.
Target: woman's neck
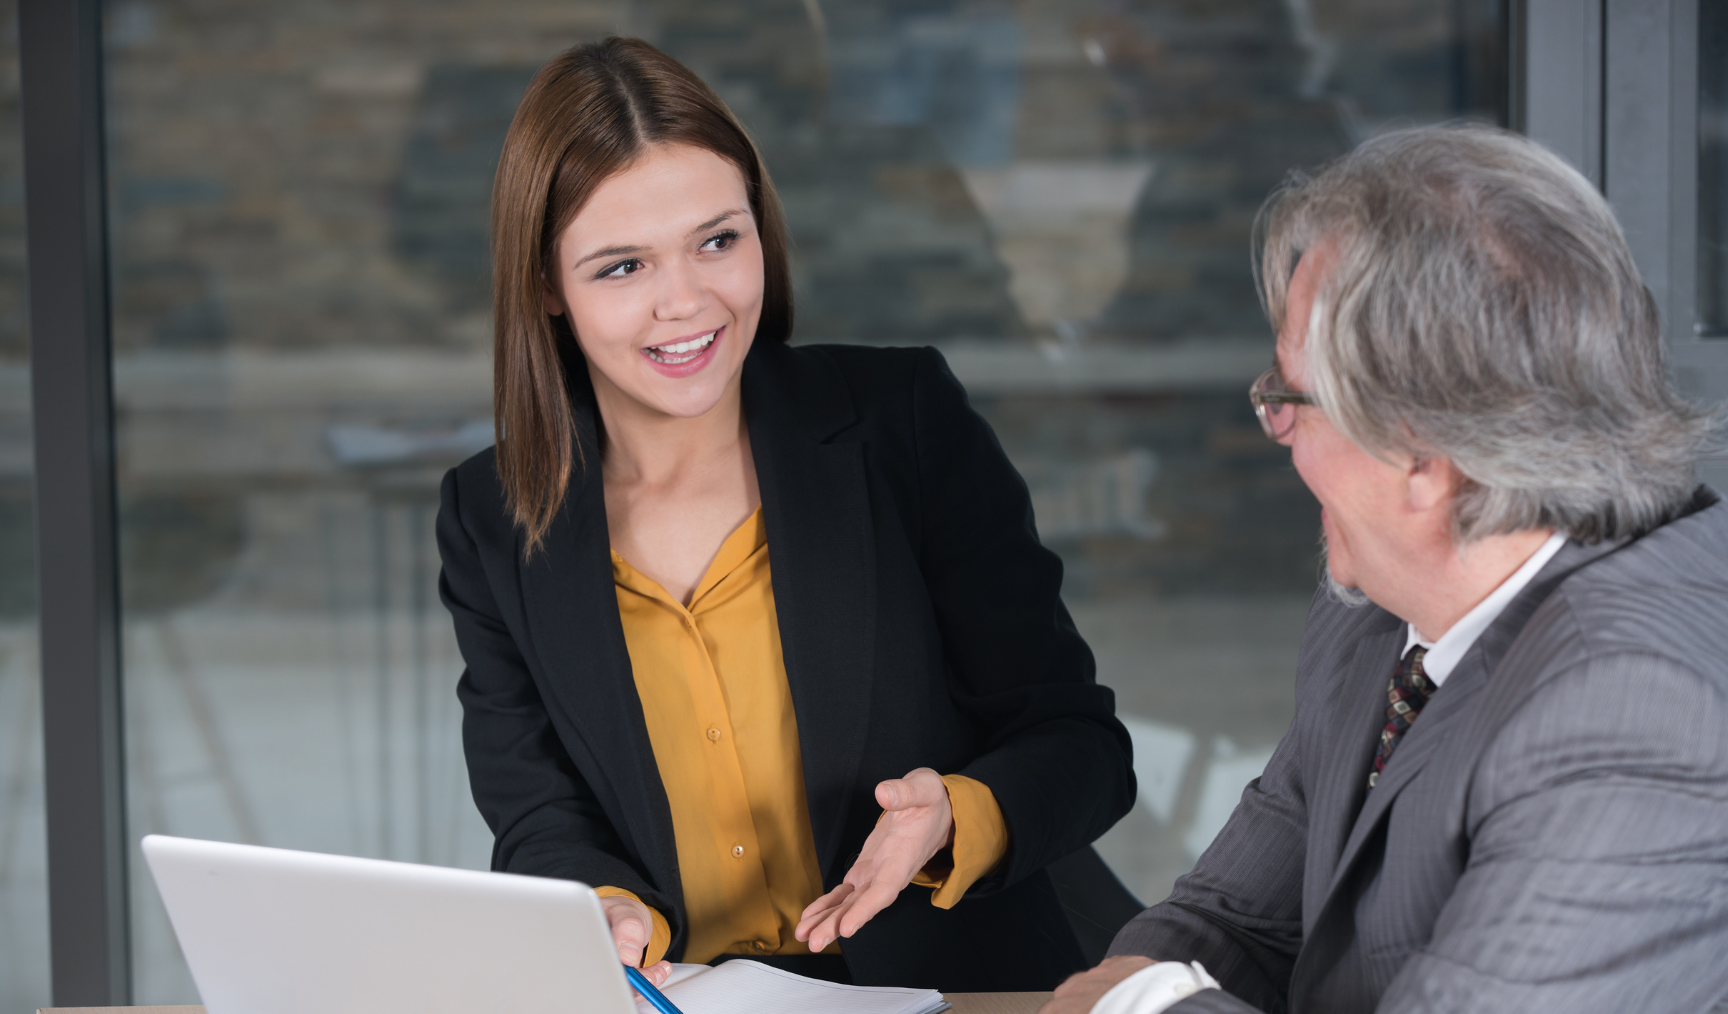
{"x":643,"y":446}
{"x":675,"y":487}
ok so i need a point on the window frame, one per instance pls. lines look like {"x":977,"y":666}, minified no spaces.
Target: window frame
{"x":65,"y":198}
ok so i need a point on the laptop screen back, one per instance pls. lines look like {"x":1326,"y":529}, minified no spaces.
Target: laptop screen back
{"x":271,"y":931}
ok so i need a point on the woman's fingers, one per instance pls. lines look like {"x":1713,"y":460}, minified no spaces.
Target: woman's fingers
{"x":877,"y":887}
{"x":827,"y":929}
{"x":629,"y":941}
{"x":631,"y":927}
{"x":629,"y":951}
{"x":893,"y":794}
{"x":656,"y":974}
{"x":852,"y":913}
{"x":864,"y":908}
{"x":920,"y":787}
{"x":918,"y":823}
{"x":814,"y":912}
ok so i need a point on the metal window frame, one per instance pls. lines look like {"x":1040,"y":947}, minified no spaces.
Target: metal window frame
{"x":1650,"y":149}
{"x":65,"y":188}
{"x":1612,"y":86}
{"x":1556,"y":55}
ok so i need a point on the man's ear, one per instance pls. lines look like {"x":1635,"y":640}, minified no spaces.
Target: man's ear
{"x":1432,"y":482}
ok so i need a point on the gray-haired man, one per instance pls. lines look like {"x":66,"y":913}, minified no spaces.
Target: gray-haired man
{"x":1506,"y":786}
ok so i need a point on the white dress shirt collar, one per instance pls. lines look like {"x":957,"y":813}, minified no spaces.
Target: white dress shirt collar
{"x":1445,"y":654}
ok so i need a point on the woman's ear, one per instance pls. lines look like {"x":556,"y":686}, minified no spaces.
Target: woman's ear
{"x":550,"y":298}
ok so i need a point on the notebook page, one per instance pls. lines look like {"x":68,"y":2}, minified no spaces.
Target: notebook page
{"x":747,"y":987}
{"x":680,"y":972}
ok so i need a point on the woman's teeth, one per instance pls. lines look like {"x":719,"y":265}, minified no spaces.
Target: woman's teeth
{"x":673,"y":354}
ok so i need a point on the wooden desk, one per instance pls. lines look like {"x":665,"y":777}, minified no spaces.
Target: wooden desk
{"x":964,"y":1003}
{"x":997,"y":1003}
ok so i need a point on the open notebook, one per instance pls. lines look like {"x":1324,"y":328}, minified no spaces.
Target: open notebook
{"x":749,"y":987}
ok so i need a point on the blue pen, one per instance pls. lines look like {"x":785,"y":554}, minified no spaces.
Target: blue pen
{"x":649,"y":993}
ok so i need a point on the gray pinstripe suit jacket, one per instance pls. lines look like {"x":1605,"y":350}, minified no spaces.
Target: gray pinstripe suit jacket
{"x":1551,"y":835}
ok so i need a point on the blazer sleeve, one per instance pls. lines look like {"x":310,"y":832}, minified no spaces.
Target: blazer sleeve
{"x":1239,"y":911}
{"x":1053,"y":754}
{"x":545,"y":818}
{"x":1598,"y":841}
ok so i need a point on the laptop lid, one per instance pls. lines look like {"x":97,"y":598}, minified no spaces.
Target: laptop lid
{"x":272,"y":931}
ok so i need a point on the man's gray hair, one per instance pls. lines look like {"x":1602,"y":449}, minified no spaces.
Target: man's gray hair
{"x":1484,"y":306}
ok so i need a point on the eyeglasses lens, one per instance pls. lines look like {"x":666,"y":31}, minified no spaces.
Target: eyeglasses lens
{"x":1276,"y":417}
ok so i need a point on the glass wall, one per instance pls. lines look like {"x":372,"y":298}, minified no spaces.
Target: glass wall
{"x":23,"y":836}
{"x":1713,"y":169}
{"x":1057,"y":193}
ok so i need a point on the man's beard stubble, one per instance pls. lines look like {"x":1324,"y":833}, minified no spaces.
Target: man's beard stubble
{"x":1346,"y":595}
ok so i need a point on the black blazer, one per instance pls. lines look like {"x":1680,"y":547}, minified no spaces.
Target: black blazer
{"x":921,"y":625}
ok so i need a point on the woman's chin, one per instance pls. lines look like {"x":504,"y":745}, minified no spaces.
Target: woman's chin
{"x":685,"y":401}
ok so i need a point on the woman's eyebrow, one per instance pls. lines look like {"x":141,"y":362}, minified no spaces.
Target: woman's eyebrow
{"x":712,"y":222}
{"x":611,"y":251}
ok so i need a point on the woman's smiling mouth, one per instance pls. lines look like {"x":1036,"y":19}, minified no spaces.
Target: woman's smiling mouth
{"x":678,"y":353}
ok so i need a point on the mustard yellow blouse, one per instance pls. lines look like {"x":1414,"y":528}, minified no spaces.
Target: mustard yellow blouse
{"x":725,"y":737}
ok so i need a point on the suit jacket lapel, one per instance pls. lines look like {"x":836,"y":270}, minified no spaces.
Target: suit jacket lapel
{"x":572,"y":610}
{"x":1342,"y":781}
{"x":1415,"y":750}
{"x":821,"y":541}
{"x":1451,"y":703}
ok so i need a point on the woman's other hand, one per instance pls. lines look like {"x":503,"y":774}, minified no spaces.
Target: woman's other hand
{"x":917,"y":823}
{"x":632,"y":927}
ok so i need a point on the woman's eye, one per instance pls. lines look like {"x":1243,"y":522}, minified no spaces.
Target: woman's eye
{"x":620,"y":269}
{"x":720,"y":241}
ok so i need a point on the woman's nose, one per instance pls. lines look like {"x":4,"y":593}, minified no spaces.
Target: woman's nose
{"x":682,"y":294}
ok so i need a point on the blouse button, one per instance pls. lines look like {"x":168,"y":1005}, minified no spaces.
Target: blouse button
{"x":737,"y":851}
{"x":713,"y":734}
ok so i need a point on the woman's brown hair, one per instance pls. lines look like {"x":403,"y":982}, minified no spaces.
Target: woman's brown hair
{"x":587,"y":116}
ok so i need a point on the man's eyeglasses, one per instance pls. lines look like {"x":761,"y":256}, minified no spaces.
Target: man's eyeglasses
{"x":1275,"y":404}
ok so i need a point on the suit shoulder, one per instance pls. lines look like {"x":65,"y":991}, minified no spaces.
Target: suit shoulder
{"x":869,"y":368}
{"x":881,"y":382}
{"x":474,"y":490}
{"x":476,"y":477}
{"x":1666,"y":594}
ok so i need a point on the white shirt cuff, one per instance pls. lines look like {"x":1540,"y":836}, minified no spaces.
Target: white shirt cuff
{"x":1155,"y":988}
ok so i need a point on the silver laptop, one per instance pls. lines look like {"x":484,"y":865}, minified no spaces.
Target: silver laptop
{"x":270,"y":931}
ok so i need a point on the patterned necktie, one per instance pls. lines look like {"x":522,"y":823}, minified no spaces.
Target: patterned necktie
{"x":1409,"y":690}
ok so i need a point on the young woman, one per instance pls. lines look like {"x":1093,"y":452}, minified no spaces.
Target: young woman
{"x":757,"y":637}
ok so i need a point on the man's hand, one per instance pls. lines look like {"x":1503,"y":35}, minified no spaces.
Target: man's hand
{"x":632,"y":927}
{"x":1083,"y":990}
{"x":917,"y":824}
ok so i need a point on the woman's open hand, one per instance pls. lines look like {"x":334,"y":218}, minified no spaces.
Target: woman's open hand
{"x":632,"y":927}
{"x":917,"y":824}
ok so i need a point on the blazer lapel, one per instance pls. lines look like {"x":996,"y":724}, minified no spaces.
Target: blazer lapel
{"x":821,"y":541}
{"x":572,"y":611}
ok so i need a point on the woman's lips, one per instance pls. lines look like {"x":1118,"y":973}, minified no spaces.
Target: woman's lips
{"x":684,"y":356}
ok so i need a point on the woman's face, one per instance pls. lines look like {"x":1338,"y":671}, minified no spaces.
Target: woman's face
{"x":661,"y":275}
